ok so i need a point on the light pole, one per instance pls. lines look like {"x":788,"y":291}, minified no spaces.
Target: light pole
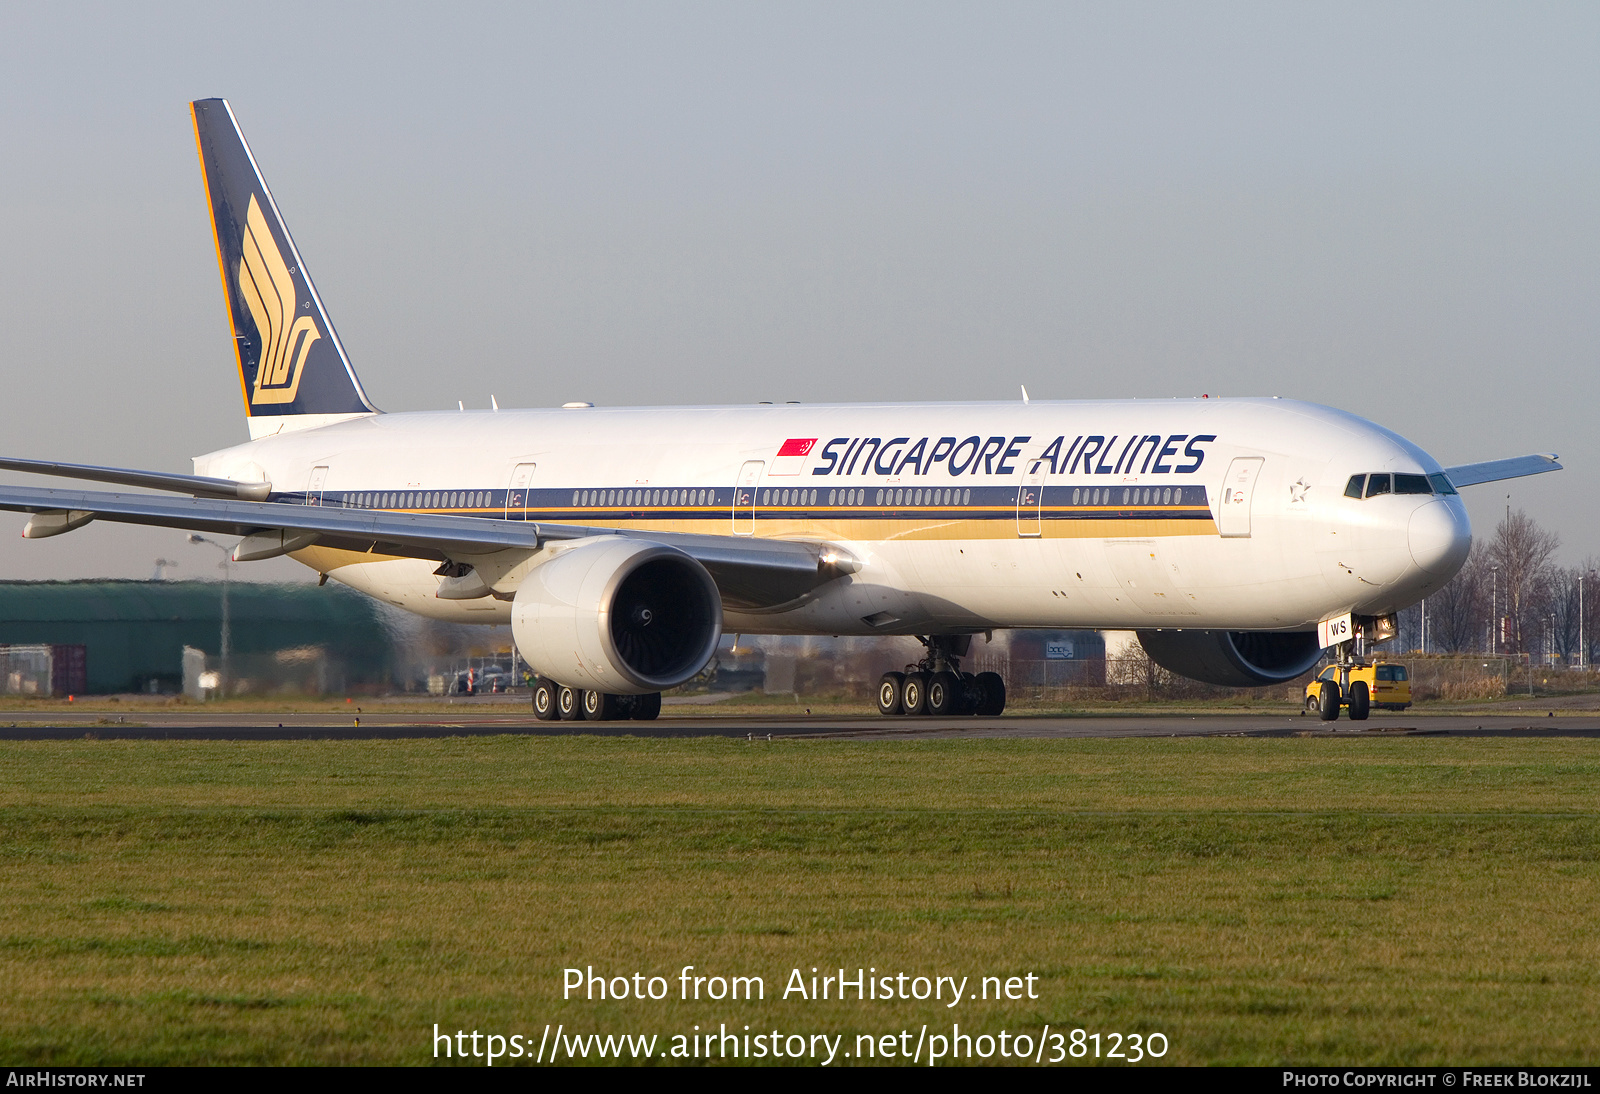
{"x":1583,"y":649}
{"x":1494,"y":609}
{"x":226,"y":566}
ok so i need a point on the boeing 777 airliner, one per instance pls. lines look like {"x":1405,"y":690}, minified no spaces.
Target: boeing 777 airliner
{"x":1238,"y":537}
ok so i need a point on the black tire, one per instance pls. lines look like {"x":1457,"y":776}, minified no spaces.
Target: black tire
{"x":1312,"y":703}
{"x":889,"y":685}
{"x":1360,"y":701}
{"x":914,"y":693}
{"x":600,"y":706}
{"x":569,"y":704}
{"x":1328,"y":702}
{"x":994,"y":694}
{"x":646,"y":707}
{"x":944,"y":694}
{"x":971,"y":694}
{"x":544,"y":701}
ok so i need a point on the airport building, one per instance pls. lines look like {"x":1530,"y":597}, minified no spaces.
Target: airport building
{"x":130,"y":636}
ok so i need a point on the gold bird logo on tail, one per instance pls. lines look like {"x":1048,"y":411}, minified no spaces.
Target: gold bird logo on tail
{"x":269,"y":293}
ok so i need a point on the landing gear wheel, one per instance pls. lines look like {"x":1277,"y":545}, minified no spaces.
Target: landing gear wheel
{"x":544,"y":701}
{"x":889,"y":685}
{"x":569,"y":704}
{"x":1328,"y":701}
{"x":600,"y":706}
{"x":646,"y":707}
{"x":914,"y":693}
{"x":944,"y":693}
{"x":971,"y":694}
{"x":993,"y":688}
{"x":1360,"y":701}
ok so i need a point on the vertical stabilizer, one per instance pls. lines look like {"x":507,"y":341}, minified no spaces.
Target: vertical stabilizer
{"x":292,"y":368}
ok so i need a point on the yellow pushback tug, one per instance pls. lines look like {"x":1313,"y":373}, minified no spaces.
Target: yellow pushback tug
{"x":1359,"y":687}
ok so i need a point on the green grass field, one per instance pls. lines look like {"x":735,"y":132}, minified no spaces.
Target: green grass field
{"x":1409,"y":901}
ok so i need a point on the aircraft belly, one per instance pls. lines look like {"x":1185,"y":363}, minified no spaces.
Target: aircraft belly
{"x":407,"y":583}
{"x":921,"y":585}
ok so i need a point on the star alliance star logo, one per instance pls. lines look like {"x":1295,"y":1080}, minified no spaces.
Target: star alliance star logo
{"x":1297,"y":491}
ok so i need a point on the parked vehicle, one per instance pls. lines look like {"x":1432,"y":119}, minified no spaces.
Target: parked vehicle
{"x":495,"y":680}
{"x":1358,"y":688}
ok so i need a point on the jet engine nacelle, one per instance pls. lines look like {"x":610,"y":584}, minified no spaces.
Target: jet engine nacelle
{"x":1233,"y":659}
{"x":618,"y":615}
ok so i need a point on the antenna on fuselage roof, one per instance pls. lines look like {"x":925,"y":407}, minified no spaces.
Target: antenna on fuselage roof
{"x":1024,"y":394}
{"x":493,"y":402}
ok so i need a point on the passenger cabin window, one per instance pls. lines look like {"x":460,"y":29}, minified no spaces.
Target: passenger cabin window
{"x":1356,"y":486}
{"x":1377,"y":484}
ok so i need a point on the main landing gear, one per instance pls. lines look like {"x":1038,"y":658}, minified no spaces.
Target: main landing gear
{"x":936,"y":685}
{"x":552,"y":701}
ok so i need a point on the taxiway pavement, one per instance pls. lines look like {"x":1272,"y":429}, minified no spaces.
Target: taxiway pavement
{"x":202,"y":725}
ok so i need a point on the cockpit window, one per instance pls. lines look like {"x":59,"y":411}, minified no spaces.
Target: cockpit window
{"x":1371,"y":486}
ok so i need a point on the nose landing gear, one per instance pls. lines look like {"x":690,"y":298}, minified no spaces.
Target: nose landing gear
{"x":1345,"y":683}
{"x":936,"y":685}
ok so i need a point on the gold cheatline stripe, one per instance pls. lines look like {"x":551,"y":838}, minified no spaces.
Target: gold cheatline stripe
{"x":865,"y":529}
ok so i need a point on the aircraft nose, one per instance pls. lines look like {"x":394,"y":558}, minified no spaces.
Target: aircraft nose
{"x":1439,"y":537}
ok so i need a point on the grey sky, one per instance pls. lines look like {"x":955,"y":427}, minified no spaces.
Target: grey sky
{"x":1390,"y":208}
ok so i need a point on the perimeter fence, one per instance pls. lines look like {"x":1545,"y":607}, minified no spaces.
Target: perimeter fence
{"x":1137,"y":677}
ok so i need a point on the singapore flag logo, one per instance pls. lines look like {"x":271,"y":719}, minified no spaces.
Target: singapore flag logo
{"x":791,"y":458}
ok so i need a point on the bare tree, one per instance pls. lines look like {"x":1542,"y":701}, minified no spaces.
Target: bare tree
{"x":1457,"y":612}
{"x":1558,"y":604}
{"x":1521,"y":549}
{"x":1588,"y":570}
{"x":1408,"y":631}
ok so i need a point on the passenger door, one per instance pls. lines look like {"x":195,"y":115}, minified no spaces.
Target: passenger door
{"x":1233,"y":508}
{"x":319,"y":475}
{"x":744,"y":498}
{"x":1030,"y":497}
{"x":517,"y":491}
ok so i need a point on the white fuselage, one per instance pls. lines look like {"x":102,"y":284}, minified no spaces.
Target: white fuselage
{"x":1185,"y":513}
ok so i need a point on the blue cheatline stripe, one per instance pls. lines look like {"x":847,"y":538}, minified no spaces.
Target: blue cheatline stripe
{"x":783,"y":503}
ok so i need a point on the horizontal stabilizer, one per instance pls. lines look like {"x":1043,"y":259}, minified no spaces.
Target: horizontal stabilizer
{"x":1471,"y":474}
{"x":198,"y":485}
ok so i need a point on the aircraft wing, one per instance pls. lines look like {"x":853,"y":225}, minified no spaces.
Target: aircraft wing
{"x":1471,"y":474}
{"x":750,"y":572}
{"x":154,"y":480}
